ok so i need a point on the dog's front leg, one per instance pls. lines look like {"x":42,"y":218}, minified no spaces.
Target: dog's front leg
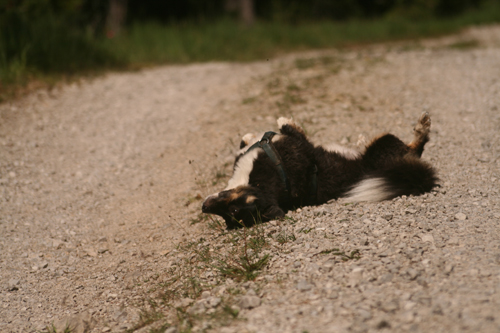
{"x":288,"y":127}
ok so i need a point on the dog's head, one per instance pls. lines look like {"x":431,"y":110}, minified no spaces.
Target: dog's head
{"x":243,"y":205}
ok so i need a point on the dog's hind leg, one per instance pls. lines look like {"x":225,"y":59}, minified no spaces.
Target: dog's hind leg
{"x":421,"y":134}
{"x":384,"y":149}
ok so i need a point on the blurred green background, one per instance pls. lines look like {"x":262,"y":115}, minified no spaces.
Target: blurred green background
{"x":41,"y":39}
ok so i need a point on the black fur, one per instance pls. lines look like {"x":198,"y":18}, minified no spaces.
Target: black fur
{"x":396,"y":165}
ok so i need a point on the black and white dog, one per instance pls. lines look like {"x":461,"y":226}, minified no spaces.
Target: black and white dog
{"x":279,"y":172}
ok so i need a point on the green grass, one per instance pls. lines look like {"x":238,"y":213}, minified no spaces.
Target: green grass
{"x":150,"y":43}
{"x":45,"y":50}
{"x":336,"y":252}
{"x":238,"y":255}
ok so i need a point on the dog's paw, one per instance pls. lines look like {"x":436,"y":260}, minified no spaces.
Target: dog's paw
{"x":423,"y":125}
{"x":282,"y":121}
{"x":247,"y":139}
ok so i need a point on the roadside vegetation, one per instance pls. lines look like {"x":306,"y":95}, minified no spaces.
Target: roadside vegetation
{"x":44,"y":51}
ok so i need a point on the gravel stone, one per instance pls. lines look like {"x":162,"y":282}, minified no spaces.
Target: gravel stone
{"x":171,"y":330}
{"x":213,"y":301}
{"x":13,"y":284}
{"x":249,"y":302}
{"x":198,"y":308}
{"x":356,"y":276}
{"x":303,"y":285}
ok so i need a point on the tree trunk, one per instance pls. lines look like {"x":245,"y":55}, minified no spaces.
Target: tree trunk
{"x":116,"y":17}
{"x":244,"y":8}
{"x":247,"y":15}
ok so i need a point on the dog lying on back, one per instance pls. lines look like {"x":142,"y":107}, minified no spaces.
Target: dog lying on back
{"x":285,"y":171}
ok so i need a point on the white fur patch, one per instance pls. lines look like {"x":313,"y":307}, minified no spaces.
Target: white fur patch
{"x":282,"y":121}
{"x":348,"y":153}
{"x":242,"y":170}
{"x":371,"y":189}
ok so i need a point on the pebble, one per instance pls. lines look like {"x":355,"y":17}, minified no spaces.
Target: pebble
{"x":364,"y":314}
{"x":249,"y":302}
{"x":412,"y":273}
{"x":91,"y":252}
{"x":303,"y":285}
{"x":460,"y":216}
{"x":408,"y":316}
{"x":356,"y":276}
{"x":13,"y":284}
{"x":390,"y":306}
{"x":171,"y":330}
{"x":198,"y":308}
{"x":213,"y":301}
{"x":184,"y":302}
{"x":428,"y":238}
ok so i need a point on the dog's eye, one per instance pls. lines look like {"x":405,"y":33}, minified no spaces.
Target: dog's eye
{"x":234,"y":210}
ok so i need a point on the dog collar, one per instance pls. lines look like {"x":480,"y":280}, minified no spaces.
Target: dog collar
{"x":266,"y":144}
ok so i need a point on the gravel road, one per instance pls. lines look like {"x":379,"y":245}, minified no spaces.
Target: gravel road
{"x":101,"y":185}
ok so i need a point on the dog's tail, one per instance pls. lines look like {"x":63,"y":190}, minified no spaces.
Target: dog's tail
{"x":404,"y":176}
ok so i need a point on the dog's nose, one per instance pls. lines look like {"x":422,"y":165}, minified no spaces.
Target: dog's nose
{"x":208,"y":203}
{"x":204,"y":208}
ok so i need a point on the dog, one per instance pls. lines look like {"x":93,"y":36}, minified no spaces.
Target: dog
{"x":280,"y":172}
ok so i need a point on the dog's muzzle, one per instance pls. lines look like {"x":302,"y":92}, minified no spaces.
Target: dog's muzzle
{"x":209,"y":203}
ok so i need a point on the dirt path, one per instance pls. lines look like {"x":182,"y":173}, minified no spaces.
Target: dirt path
{"x":100,"y":181}
{"x":95,"y":177}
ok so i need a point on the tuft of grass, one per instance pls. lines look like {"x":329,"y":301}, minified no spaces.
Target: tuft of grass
{"x":200,"y":218}
{"x":229,"y":310}
{"x":249,"y":100}
{"x":160,"y":329}
{"x":215,"y":224}
{"x":305,"y":230}
{"x":246,"y":260}
{"x":283,"y":238}
{"x":306,"y":63}
{"x":465,"y":44}
{"x":53,"y":329}
{"x":355,"y":254}
{"x":243,"y":268}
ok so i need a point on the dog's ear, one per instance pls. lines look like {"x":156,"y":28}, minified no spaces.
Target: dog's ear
{"x":273,"y":213}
